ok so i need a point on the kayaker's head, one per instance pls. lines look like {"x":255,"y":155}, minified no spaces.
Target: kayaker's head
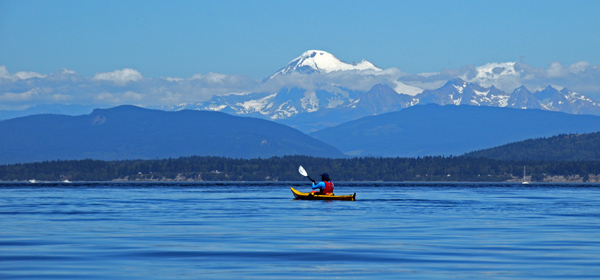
{"x":325,"y":177}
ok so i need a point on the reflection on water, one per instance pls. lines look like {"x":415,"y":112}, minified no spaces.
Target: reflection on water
{"x":257,"y":231}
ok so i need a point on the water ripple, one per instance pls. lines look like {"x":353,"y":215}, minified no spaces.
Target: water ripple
{"x":256,"y":231}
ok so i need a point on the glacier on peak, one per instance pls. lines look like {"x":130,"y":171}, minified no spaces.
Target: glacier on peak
{"x":493,"y":70}
{"x":310,"y":101}
{"x":401,"y":87}
{"x":322,"y":62}
{"x":258,"y":105}
{"x":505,"y":75}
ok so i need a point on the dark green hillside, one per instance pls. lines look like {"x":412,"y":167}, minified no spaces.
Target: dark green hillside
{"x":564,"y":147}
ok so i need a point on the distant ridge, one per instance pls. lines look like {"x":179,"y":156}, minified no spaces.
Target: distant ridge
{"x":58,"y":109}
{"x":430,"y":130}
{"x":129,"y":132}
{"x":564,"y":147}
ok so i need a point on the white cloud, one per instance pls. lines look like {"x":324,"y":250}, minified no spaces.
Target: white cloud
{"x":21,"y":75}
{"x":213,"y":78}
{"x":105,"y":96}
{"x":119,"y":77}
{"x":171,"y":98}
{"x":64,"y":75}
{"x":61,"y":97}
{"x":579,"y":77}
{"x":11,"y":97}
{"x":505,"y":76}
{"x":556,"y":70}
{"x":130,"y":95}
{"x":171,"y":79}
{"x":579,"y":67}
{"x":4,"y":72}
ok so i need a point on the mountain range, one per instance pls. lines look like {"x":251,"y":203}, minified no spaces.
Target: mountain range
{"x":430,"y":130}
{"x":348,"y":117}
{"x":129,"y":132}
{"x":319,"y":104}
{"x":317,"y":90}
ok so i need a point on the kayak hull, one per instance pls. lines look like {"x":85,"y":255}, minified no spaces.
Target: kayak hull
{"x":310,"y":196}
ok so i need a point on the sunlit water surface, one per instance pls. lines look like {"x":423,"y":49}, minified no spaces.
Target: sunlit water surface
{"x":257,"y":231}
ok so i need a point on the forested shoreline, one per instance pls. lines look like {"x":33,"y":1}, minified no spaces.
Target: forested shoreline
{"x":197,"y":168}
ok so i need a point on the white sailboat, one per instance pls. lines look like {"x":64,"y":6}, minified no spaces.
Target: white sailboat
{"x":525,"y":182}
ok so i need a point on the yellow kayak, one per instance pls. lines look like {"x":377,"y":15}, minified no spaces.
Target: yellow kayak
{"x":310,"y":196}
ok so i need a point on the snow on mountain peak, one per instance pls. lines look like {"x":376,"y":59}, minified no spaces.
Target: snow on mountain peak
{"x":323,"y":62}
{"x":490,"y":72}
{"x":505,"y":76}
{"x":493,"y":70}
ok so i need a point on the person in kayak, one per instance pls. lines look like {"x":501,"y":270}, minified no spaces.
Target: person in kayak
{"x":325,"y":187}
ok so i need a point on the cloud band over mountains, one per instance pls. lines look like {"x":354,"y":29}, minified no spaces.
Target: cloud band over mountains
{"x":21,"y":90}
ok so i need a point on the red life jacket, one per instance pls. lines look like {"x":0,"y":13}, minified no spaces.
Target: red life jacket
{"x":328,"y":188}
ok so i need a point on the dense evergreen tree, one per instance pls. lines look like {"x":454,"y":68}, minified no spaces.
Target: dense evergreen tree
{"x":286,"y":169}
{"x":563,"y":147}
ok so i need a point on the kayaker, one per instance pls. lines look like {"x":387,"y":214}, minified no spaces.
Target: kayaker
{"x":325,"y":187}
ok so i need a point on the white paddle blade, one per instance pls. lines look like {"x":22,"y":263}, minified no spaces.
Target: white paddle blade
{"x":302,"y":171}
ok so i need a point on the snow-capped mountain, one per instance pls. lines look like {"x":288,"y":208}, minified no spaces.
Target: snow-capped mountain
{"x":311,"y":99}
{"x":381,"y":99}
{"x":322,"y":62}
{"x":459,"y":92}
{"x":489,"y":73}
{"x":522,"y":98}
{"x":283,"y":104}
{"x":567,"y":101}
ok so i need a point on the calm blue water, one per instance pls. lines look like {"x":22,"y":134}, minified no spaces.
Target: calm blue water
{"x":256,"y":231}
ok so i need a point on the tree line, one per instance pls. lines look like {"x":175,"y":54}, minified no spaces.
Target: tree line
{"x":196,"y":168}
{"x":562,"y":147}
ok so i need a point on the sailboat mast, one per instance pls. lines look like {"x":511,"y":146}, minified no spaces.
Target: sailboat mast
{"x":524,"y":173}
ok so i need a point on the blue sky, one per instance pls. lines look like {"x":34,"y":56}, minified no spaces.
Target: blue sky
{"x":257,"y":38}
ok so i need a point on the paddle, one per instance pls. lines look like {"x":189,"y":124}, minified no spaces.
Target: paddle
{"x":303,"y":173}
